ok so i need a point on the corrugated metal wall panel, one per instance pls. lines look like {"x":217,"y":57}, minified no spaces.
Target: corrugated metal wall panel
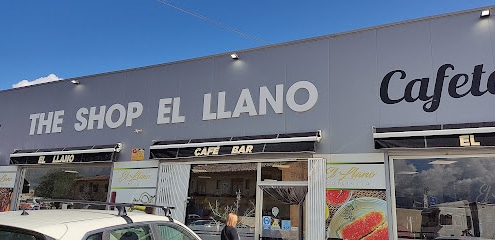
{"x":173,"y":185}
{"x":316,"y":199}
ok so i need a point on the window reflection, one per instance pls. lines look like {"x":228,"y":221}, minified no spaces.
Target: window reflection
{"x":217,"y":189}
{"x":74,"y":183}
{"x":445,"y":197}
{"x":281,"y":204}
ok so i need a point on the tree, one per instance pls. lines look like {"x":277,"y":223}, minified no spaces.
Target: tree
{"x":222,"y":212}
{"x":58,"y":184}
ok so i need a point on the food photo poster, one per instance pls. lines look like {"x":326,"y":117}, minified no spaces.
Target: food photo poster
{"x":356,"y":204}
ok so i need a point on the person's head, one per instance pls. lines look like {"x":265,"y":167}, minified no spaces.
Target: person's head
{"x":232,"y":220}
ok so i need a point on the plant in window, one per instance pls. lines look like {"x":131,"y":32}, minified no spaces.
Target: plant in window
{"x":221,"y":212}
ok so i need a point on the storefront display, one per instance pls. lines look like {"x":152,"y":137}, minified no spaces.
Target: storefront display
{"x":64,"y":182}
{"x":356,"y":200}
{"x":438,"y":197}
{"x":8,"y":176}
{"x":380,"y":133}
{"x":134,"y":182}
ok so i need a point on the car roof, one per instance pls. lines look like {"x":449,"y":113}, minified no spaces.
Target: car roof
{"x":55,"y":223}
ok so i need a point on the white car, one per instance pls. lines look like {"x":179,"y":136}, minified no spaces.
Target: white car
{"x":88,"y":224}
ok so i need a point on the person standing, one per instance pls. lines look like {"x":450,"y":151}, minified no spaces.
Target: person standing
{"x":229,"y":232}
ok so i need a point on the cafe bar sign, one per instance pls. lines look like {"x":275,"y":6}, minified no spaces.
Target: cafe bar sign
{"x":273,"y":143}
{"x":436,"y":136}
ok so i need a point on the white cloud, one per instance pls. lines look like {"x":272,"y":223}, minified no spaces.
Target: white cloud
{"x":467,"y":179}
{"x":50,"y":78}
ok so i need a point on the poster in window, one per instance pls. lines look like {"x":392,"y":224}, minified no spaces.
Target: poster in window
{"x":5,"y":199}
{"x":356,"y":201}
{"x":137,"y":154}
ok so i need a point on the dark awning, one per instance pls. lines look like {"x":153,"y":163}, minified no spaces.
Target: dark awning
{"x":275,"y":143}
{"x":436,"y":136}
{"x":97,"y":153}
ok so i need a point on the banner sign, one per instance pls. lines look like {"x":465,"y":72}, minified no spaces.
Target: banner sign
{"x":455,"y":140}
{"x":7,"y":179}
{"x":66,"y":158}
{"x":98,"y":153}
{"x":481,"y":134}
{"x":135,"y":181}
{"x":233,"y":150}
{"x":356,"y":176}
{"x":275,"y":143}
{"x":134,"y":177}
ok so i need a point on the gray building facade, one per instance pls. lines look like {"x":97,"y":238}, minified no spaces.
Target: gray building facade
{"x":381,"y":104}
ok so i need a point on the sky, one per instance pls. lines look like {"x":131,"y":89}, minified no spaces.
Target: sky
{"x":51,"y":40}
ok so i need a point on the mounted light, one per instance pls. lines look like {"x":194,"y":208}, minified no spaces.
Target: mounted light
{"x":234,"y":56}
{"x":485,"y":13}
{"x":74,"y":81}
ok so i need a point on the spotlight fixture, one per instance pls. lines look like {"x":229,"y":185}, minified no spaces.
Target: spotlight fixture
{"x":74,"y":81}
{"x":234,"y":56}
{"x":485,"y":13}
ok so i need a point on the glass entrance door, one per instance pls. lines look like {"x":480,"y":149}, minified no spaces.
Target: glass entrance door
{"x":284,"y":188}
{"x":282,"y":220}
{"x":215,"y":190}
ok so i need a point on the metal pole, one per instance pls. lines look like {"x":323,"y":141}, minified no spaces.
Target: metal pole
{"x":301,"y":221}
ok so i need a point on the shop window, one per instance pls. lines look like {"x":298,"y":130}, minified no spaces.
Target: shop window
{"x":225,"y":188}
{"x":445,"y":219}
{"x":95,"y":187}
{"x":285,"y":171}
{"x":237,"y":185}
{"x":193,"y":188}
{"x":435,"y":192}
{"x":469,"y":222}
{"x":25,"y":186}
{"x":221,"y":190}
{"x":429,"y":218}
{"x":77,"y":183}
{"x":281,"y":208}
{"x":201,"y":188}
